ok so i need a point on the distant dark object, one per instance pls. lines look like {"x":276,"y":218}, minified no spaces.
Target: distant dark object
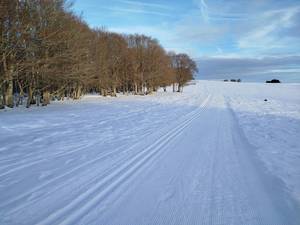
{"x":233,"y":80}
{"x":266,"y":100}
{"x":191,"y":83}
{"x":274,"y":81}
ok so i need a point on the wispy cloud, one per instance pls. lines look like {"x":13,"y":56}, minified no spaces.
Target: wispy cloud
{"x":269,"y":31}
{"x":219,"y":50}
{"x":224,"y":17}
{"x":204,"y":10}
{"x":212,"y":13}
{"x":136,"y":11}
{"x":145,"y":4}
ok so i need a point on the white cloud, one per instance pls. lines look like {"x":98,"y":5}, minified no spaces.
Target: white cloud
{"x":268,"y":31}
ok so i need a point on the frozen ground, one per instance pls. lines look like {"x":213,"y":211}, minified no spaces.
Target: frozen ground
{"x":216,"y":154}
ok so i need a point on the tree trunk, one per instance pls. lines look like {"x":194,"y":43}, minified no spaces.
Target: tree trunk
{"x":114,"y":91}
{"x":144,"y":89}
{"x":127,"y":88}
{"x":46,"y":98}
{"x":135,"y":88}
{"x":104,"y":92}
{"x":9,"y":98}
{"x":38,"y":98}
{"x":1,"y":99}
{"x":29,"y":99}
{"x":77,"y":92}
{"x":124,"y":89}
{"x":8,"y":91}
{"x":179,"y":88}
{"x":149,"y":90}
{"x":140,"y":89}
{"x":20,"y":95}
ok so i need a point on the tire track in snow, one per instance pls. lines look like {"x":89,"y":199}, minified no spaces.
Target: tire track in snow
{"x":101,"y":190}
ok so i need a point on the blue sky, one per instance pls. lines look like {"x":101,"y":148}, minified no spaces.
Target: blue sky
{"x":217,"y":33}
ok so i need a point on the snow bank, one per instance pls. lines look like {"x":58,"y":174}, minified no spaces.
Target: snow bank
{"x":272,"y":126}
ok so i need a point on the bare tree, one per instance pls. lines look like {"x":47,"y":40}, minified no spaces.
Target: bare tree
{"x":184,"y":68}
{"x":46,"y":52}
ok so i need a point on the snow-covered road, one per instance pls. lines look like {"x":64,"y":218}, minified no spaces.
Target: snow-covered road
{"x":191,"y":158}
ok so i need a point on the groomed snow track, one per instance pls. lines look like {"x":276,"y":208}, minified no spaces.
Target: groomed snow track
{"x":199,"y":169}
{"x":80,"y":206}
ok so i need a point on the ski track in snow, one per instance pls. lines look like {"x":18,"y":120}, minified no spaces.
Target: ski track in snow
{"x":170,"y":158}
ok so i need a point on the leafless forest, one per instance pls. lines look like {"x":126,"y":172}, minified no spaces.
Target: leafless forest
{"x":48,"y":52}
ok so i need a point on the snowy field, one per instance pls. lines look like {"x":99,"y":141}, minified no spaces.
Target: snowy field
{"x":215,"y":154}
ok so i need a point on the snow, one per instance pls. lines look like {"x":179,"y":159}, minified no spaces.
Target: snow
{"x":215,"y":154}
{"x":273,"y":127}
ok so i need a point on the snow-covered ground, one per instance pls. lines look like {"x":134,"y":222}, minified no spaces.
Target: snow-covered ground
{"x":215,"y":154}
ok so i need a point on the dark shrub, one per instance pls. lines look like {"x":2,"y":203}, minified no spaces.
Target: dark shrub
{"x":274,"y":81}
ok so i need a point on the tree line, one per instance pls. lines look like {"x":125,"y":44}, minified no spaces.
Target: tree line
{"x":48,"y":52}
